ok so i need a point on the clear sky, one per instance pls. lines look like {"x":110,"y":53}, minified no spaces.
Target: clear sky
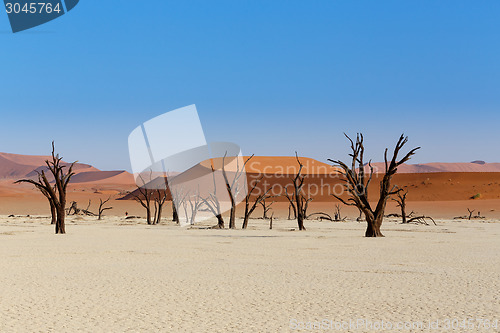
{"x":272,"y":76}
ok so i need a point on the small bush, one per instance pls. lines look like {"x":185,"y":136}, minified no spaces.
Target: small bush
{"x":477,"y":196}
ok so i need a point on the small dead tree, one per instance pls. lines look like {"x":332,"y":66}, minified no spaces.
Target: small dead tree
{"x":195,"y":204}
{"x":470,"y":213}
{"x":250,"y":207}
{"x":470,"y":216}
{"x":401,"y":203}
{"x":421,"y":220}
{"x":73,"y":209}
{"x":337,"y":215}
{"x":266,"y":206}
{"x":57,"y":192}
{"x":357,"y":182}
{"x":301,"y":202}
{"x":102,"y":207}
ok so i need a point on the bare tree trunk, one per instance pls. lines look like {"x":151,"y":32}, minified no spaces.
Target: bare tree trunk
{"x":220,"y":224}
{"x":53,"y":212}
{"x":60,"y":225}
{"x":175,"y":216}
{"x":158,"y":215}
{"x":245,"y":220}
{"x":300,"y":221}
{"x":232,"y":216}
{"x":373,"y":227}
{"x":148,"y":215}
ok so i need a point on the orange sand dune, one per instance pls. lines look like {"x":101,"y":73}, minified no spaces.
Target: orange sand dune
{"x":276,"y":165}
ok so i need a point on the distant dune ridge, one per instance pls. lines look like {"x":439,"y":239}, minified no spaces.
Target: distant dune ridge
{"x":475,"y":166}
{"x":430,"y":181}
{"x":14,"y":166}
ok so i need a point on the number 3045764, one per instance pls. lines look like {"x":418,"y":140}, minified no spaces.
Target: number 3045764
{"x":32,"y":8}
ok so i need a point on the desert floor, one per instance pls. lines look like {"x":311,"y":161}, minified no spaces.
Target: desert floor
{"x":118,"y":275}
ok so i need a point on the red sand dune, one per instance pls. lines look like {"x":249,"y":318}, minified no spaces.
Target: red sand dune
{"x":323,"y":180}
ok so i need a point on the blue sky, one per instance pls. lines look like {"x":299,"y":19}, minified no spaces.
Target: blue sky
{"x":272,"y":76}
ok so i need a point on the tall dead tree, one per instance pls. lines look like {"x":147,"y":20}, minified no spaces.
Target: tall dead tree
{"x":56,"y":194}
{"x":357,"y":182}
{"x":232,"y":186}
{"x":301,"y":201}
{"x":250,"y":207}
{"x":102,"y":207}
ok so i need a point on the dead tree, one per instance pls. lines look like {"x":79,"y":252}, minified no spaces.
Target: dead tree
{"x":192,"y":203}
{"x":470,"y":216}
{"x":401,"y":203}
{"x":232,"y":187}
{"x":337,"y":215}
{"x":357,"y":182}
{"x":57,"y":192}
{"x":421,"y":220}
{"x":266,"y":206}
{"x":250,"y":207}
{"x":159,"y":198}
{"x":213,"y":204}
{"x":470,"y":213}
{"x":102,"y":207}
{"x":300,"y":201}
{"x":144,"y":197}
{"x":73,"y":209}
{"x":195,"y":204}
